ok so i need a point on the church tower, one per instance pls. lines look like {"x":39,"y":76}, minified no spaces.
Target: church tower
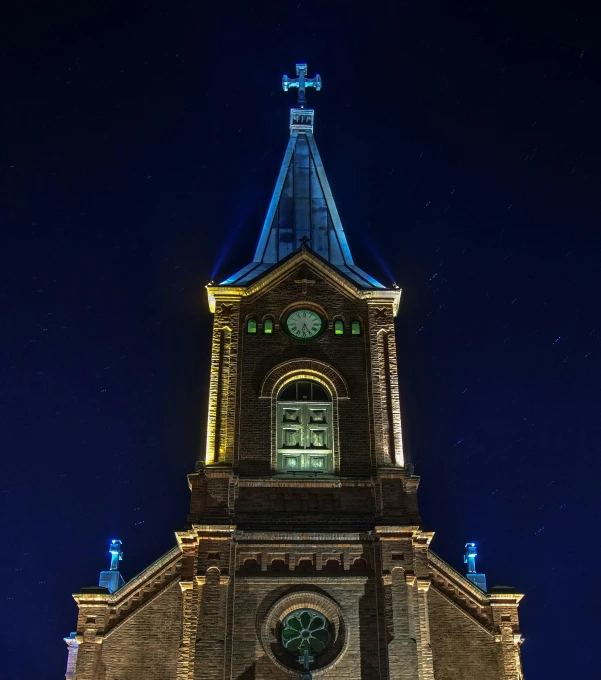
{"x":303,"y":554}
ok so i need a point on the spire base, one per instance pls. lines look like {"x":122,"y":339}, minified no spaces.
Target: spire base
{"x":301,"y":120}
{"x":111,"y":580}
{"x":479,"y":580}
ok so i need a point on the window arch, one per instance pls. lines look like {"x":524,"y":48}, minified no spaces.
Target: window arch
{"x":251,"y":325}
{"x":356,"y":327}
{"x":338,"y":327}
{"x":304,"y":428}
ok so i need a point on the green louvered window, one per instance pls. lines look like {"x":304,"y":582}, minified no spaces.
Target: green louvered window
{"x":304,"y":436}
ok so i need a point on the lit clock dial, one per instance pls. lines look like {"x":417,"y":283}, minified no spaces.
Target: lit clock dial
{"x":304,"y":323}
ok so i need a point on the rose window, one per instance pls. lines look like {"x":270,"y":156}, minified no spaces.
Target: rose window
{"x":305,"y":629}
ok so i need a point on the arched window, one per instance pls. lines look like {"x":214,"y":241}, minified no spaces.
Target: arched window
{"x":338,"y":327}
{"x":356,"y":328}
{"x":304,"y":437}
{"x":251,"y":325}
{"x":268,"y":326}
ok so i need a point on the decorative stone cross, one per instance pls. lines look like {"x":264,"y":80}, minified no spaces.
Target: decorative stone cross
{"x":301,"y":82}
{"x":306,"y":659}
{"x":226,"y":310}
{"x":304,"y":283}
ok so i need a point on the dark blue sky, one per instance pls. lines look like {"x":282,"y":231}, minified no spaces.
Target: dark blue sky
{"x":140,"y":145}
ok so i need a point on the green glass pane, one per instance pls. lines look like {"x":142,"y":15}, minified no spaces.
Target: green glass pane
{"x":356,"y":328}
{"x":289,"y":634}
{"x":317,"y":623}
{"x":294,"y":645}
{"x":317,"y":645}
{"x":294,"y":623}
{"x":305,"y":619}
{"x":251,"y":325}
{"x":321,"y":635}
{"x":338,"y":327}
{"x":268,"y":326}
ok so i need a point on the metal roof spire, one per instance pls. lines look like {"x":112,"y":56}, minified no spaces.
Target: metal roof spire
{"x":302,"y":209}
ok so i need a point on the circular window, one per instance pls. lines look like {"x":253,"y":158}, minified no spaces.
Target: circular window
{"x":305,"y":629}
{"x":304,"y":623}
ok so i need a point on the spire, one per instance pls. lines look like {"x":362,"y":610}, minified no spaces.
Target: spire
{"x":302,"y":212}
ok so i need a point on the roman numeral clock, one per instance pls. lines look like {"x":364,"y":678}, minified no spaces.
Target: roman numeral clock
{"x":304,"y":323}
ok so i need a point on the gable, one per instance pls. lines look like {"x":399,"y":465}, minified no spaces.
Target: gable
{"x":264,"y":278}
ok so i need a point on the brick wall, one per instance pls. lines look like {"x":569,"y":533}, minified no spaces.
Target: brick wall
{"x":246,"y":373}
{"x":260,"y":353}
{"x":145,"y":645}
{"x":462,"y":649}
{"x":254,"y":597}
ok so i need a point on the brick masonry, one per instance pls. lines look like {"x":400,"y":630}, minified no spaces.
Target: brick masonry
{"x":259,"y":544}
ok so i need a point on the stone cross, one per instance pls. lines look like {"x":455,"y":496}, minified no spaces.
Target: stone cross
{"x":306,"y":659}
{"x":301,"y":82}
{"x":304,"y":283}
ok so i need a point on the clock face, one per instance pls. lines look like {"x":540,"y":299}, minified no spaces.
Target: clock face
{"x":304,"y":323}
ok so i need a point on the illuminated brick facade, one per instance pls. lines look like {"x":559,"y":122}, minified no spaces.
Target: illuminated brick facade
{"x":262,"y":542}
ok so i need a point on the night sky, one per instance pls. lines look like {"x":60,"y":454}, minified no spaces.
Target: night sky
{"x":140,"y":146}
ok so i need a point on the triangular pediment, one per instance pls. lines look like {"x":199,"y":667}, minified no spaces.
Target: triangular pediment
{"x":139,"y":591}
{"x":457,"y":589}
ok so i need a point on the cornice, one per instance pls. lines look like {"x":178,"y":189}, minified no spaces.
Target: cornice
{"x":131,"y":586}
{"x":279,"y":271}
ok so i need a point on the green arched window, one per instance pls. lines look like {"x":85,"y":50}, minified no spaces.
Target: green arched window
{"x":268,"y":326}
{"x":338,"y":327}
{"x":304,"y":436}
{"x":356,"y":328}
{"x":251,"y":325}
